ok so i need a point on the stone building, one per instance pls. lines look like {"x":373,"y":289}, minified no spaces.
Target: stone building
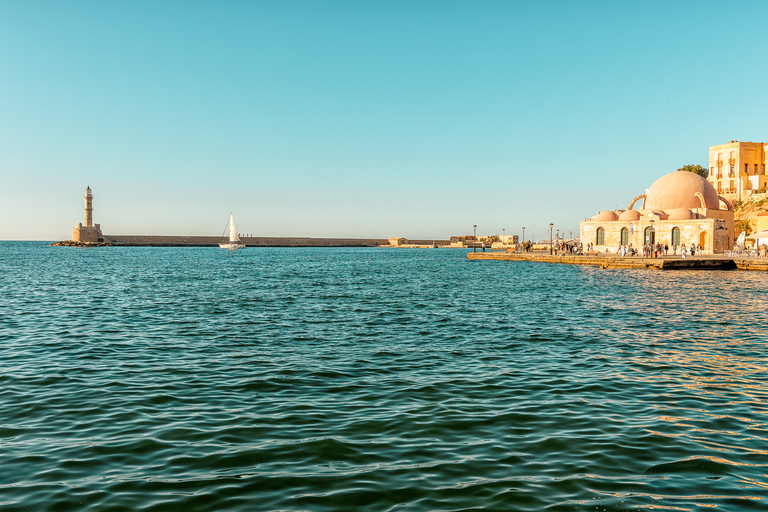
{"x":737,"y":169}
{"x":88,"y":233}
{"x":678,"y":208}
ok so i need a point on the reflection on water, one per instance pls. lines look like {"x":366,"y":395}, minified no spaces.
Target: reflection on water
{"x":341,"y":379}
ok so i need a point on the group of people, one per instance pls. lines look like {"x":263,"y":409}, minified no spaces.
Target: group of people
{"x":570,"y":248}
{"x":561,"y":247}
{"x":653,"y":250}
{"x":647,"y":250}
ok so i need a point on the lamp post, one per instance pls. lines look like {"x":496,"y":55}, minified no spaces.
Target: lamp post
{"x":523,"y":233}
{"x":550,"y":238}
{"x":474,"y":236}
{"x":504,"y":235}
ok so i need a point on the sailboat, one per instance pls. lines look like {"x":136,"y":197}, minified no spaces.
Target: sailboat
{"x":234,"y":240}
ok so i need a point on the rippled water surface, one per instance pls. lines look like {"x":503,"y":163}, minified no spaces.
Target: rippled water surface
{"x":375,"y":379}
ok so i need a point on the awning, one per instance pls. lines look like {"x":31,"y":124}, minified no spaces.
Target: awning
{"x":759,"y":234}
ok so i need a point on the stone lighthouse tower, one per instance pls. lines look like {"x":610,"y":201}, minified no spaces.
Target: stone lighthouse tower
{"x":88,"y":207}
{"x":88,"y":233}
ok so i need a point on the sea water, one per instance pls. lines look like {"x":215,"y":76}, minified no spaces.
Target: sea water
{"x":326,"y":379}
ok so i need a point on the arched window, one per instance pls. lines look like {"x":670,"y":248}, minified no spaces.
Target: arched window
{"x":676,"y":236}
{"x":650,"y":236}
{"x":624,"y":236}
{"x":600,"y":237}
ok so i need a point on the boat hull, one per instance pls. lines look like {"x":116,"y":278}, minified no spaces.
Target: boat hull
{"x":232,"y":246}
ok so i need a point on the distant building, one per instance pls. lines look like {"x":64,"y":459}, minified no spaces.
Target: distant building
{"x":762,"y":221}
{"x":88,"y":233}
{"x":737,"y":169}
{"x":678,"y":208}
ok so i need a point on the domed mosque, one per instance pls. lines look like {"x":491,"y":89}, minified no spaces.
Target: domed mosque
{"x":679,"y":208}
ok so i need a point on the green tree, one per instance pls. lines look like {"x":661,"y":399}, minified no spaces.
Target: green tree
{"x":697,"y":169}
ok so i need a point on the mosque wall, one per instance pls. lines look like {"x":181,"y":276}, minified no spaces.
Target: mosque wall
{"x":711,"y":234}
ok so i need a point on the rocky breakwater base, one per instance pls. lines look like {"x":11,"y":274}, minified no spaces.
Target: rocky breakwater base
{"x":614,"y":261}
{"x":74,"y":243}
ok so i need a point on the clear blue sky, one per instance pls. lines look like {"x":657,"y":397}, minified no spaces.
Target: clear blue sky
{"x":362,"y":118}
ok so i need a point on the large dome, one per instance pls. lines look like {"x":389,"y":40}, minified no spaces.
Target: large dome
{"x":678,"y":190}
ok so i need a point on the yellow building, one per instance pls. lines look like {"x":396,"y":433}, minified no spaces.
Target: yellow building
{"x":737,"y":169}
{"x":679,"y":208}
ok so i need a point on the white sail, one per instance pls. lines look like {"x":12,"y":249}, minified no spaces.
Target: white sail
{"x":233,"y":238}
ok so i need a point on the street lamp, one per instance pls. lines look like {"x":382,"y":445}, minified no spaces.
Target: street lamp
{"x":504,"y":235}
{"x":523,"y":233}
{"x":474,"y":236}
{"x":550,"y":238}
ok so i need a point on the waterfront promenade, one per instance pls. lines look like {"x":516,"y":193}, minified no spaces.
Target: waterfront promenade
{"x":609,"y":260}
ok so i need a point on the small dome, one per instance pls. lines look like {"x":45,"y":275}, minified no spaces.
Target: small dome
{"x":630,"y":215}
{"x":606,"y":215}
{"x":680,"y":214}
{"x":678,"y":190}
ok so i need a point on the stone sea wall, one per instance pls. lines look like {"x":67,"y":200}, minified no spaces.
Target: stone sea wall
{"x":613,"y":261}
{"x":213,"y":241}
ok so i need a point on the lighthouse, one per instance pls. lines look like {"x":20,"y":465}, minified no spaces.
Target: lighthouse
{"x":88,"y":233}
{"x":88,"y":207}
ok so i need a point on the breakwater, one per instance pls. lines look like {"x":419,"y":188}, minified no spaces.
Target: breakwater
{"x":214,"y":241}
{"x":258,"y":241}
{"x":606,"y":261}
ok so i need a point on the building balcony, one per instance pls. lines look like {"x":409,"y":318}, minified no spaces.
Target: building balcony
{"x":731,"y":161}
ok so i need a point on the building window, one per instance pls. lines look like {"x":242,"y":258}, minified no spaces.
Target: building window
{"x":650,"y":236}
{"x":746,"y":168}
{"x":624,"y":236}
{"x":676,"y":236}
{"x":600,"y":239}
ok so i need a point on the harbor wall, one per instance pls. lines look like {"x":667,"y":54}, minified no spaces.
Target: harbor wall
{"x":214,"y":241}
{"x":607,"y":261}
